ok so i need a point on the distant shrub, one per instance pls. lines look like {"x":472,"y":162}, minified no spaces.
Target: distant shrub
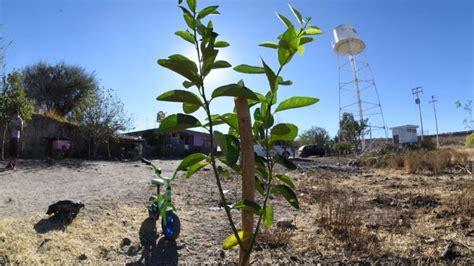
{"x":387,"y":148}
{"x":343,"y":147}
{"x":427,"y":143}
{"x":469,"y":141}
{"x":395,"y":161}
{"x":435,"y":161}
{"x":413,"y":161}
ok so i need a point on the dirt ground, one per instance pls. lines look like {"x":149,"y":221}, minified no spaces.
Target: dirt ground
{"x":347,"y":215}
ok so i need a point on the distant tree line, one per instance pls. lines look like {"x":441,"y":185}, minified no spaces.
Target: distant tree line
{"x":67,"y":93}
{"x":347,"y":140}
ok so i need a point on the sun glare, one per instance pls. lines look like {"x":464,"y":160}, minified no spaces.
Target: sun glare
{"x":217,"y":76}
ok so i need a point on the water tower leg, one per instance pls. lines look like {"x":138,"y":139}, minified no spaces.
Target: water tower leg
{"x":359,"y":100}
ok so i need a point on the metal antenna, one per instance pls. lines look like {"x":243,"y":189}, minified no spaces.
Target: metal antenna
{"x":416,"y":91}
{"x":433,"y":101}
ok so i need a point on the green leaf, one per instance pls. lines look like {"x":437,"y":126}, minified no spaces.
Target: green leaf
{"x":287,"y":193}
{"x":221,"y":64}
{"x":196,"y":167}
{"x":222,"y":171}
{"x":270,"y":76}
{"x":231,"y":120}
{"x":231,"y":241}
{"x":268,"y":216}
{"x":209,"y":56}
{"x":260,"y":162}
{"x":269,"y":45}
{"x":313,"y":31}
{"x":189,"y":20}
{"x":189,"y":108}
{"x":284,"y":82}
{"x":297,"y":14}
{"x":216,"y":120}
{"x":221,"y":44}
{"x":178,"y":122}
{"x":187,"y":84}
{"x":207,"y":11}
{"x":247,"y":69}
{"x":260,"y":97}
{"x":296,"y":102}
{"x":284,"y":131}
{"x":271,"y":98}
{"x":191,"y":160}
{"x":186,"y":35}
{"x":301,"y":49}
{"x":248,"y":206}
{"x":285,"y":162}
{"x":192,"y":5}
{"x":285,"y":21}
{"x":234,"y":90}
{"x":259,"y":186}
{"x":180,"y":96}
{"x":286,"y":179}
{"x":262,"y":171}
{"x":183,"y":66}
{"x":230,"y":146}
{"x":304,"y":40}
{"x":287,"y":46}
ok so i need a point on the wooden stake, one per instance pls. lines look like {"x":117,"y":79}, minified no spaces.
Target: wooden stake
{"x":248,"y":168}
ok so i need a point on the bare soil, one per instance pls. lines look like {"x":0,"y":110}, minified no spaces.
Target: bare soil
{"x":347,"y":214}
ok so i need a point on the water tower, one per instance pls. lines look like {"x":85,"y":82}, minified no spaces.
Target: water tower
{"x":358,"y":94}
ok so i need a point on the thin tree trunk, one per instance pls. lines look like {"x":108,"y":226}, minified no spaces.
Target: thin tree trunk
{"x":108,"y":150}
{"x":248,"y":171}
{"x":3,"y":141}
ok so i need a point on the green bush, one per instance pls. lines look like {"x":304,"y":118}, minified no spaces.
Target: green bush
{"x":470,"y":141}
{"x":343,"y":147}
{"x":427,"y":143}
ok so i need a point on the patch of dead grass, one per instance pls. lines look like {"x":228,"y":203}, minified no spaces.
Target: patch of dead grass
{"x":99,"y":239}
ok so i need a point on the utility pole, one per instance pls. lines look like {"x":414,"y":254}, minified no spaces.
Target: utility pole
{"x":433,"y":101}
{"x":416,"y":91}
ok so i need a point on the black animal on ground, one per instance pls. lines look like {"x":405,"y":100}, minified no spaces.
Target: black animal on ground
{"x":65,"y":209}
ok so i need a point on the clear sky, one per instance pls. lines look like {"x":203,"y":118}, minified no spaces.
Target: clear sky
{"x":408,"y":44}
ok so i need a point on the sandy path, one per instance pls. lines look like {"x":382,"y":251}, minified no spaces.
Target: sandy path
{"x":36,"y":184}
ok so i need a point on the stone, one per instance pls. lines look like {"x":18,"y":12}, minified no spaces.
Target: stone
{"x":449,"y":253}
{"x":285,"y":223}
{"x":126,"y":242}
{"x":82,"y":257}
{"x":133,"y":250}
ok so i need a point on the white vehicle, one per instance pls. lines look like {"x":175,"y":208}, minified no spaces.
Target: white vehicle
{"x":285,"y":152}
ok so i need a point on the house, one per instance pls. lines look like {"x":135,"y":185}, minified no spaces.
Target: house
{"x":178,"y":143}
{"x":404,"y":135}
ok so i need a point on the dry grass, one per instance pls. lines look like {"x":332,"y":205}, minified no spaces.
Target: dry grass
{"x":21,"y":244}
{"x":275,"y":237}
{"x":53,"y":114}
{"x":436,"y":161}
{"x":343,"y":216}
{"x":463,"y":202}
{"x":395,"y":162}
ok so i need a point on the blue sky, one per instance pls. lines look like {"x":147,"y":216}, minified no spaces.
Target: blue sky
{"x":408,"y":44}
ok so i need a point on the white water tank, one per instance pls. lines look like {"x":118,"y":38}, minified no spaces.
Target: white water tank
{"x":346,"y":40}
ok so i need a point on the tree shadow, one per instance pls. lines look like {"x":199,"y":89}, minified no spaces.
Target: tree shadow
{"x":32,"y":165}
{"x":56,"y":222}
{"x":162,"y":253}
